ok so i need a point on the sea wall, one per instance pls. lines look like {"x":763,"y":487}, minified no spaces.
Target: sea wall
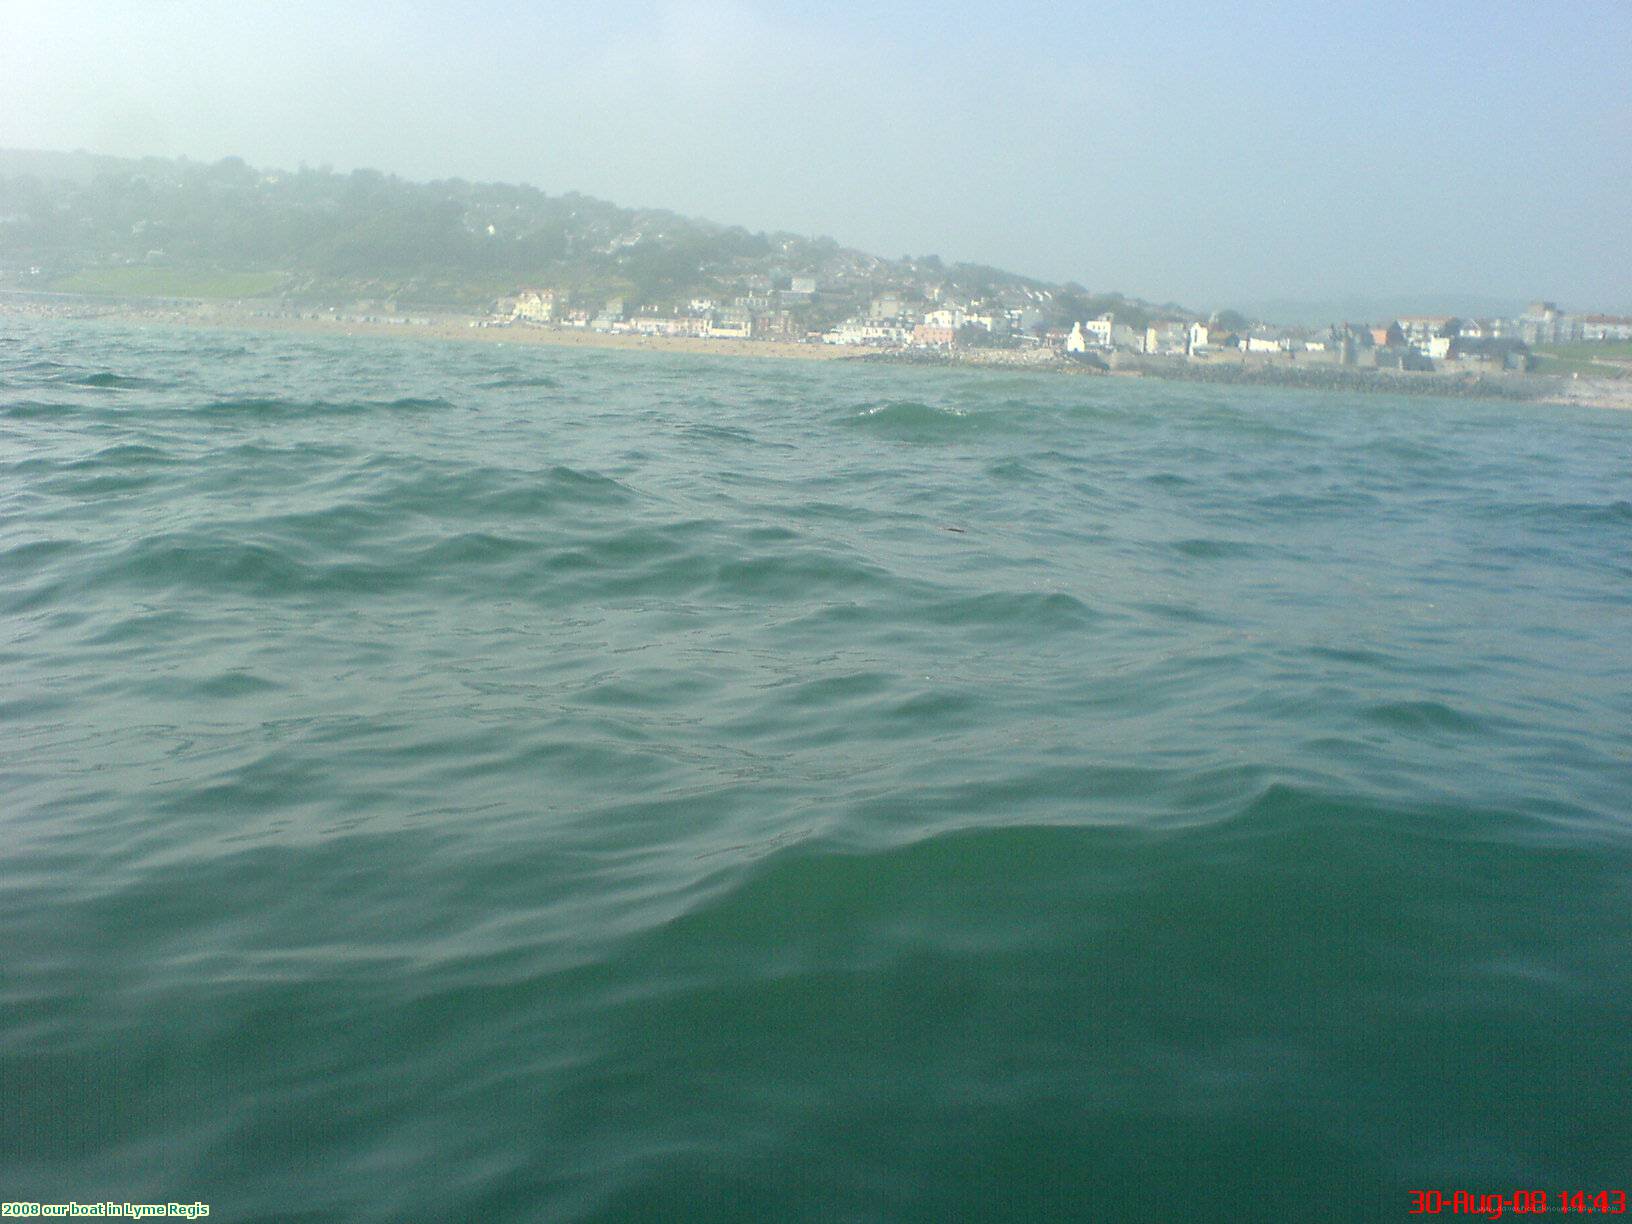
{"x":1322,"y":373}
{"x":1314,"y":372}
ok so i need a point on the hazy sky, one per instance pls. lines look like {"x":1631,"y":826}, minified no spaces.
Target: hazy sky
{"x":1209,"y":153}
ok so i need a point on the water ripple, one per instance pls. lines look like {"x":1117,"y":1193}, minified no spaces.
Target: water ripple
{"x":486,"y":782}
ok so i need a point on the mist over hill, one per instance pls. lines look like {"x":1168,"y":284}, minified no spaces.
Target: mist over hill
{"x":86,"y":223}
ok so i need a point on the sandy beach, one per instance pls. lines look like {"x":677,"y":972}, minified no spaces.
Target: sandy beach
{"x":1581,"y":393}
{"x":476,"y":331}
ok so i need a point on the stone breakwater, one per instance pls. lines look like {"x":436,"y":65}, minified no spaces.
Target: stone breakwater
{"x":1328,"y":377}
{"x":1311,"y":376}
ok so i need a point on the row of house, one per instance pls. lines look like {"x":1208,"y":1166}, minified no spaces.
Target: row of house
{"x":1408,"y":343}
{"x":1542,"y":323}
{"x":1167,"y":337}
{"x":701,"y":317}
{"x":896,"y":319}
{"x":924,"y":315}
{"x":891,"y":321}
{"x":1545,"y":323}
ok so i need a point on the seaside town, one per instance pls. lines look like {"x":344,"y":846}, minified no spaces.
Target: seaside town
{"x":1029,"y":321}
{"x":225,"y":244}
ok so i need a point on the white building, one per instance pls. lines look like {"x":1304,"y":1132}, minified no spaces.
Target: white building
{"x":1545,"y":323}
{"x":1102,"y":333}
{"x":1166,"y":338}
{"x":1488,"y":329}
{"x":875,"y":332}
{"x":733,"y":324}
{"x":890,"y":332}
{"x":535,"y":306}
{"x":1598,"y":328}
{"x":1026,"y":318}
{"x":666,"y":325}
{"x":1420,"y":329}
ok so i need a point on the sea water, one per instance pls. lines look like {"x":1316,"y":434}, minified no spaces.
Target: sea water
{"x":495,"y":782}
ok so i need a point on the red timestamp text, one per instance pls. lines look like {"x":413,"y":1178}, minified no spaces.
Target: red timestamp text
{"x":1518,"y":1202}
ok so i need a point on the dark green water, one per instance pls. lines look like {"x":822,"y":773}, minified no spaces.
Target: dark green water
{"x":451,"y":782}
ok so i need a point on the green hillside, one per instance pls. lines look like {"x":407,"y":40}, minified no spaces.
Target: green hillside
{"x":81,"y":223}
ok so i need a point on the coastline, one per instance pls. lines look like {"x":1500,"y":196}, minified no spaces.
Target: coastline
{"x":552,"y":337}
{"x":445,"y":329}
{"x":1529,"y":388}
{"x":1232,"y":370}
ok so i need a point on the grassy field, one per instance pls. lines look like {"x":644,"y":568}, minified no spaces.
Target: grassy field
{"x":1616,"y":350}
{"x":170,"y":282}
{"x":1585,"y":359}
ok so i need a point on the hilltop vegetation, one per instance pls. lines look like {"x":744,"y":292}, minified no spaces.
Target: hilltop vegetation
{"x":159,"y":227}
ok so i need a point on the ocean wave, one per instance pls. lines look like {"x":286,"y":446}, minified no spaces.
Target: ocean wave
{"x":1563,"y":515}
{"x":914,"y":420}
{"x":29,"y":410}
{"x":1215,"y":549}
{"x":460,"y":492}
{"x":123,"y":456}
{"x":106,"y":380}
{"x":208,"y":562}
{"x":519,"y":382}
{"x":1018,"y":612}
{"x":265,"y":407}
{"x":571,"y":781}
{"x":1424,"y":716}
{"x":801,"y":574}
